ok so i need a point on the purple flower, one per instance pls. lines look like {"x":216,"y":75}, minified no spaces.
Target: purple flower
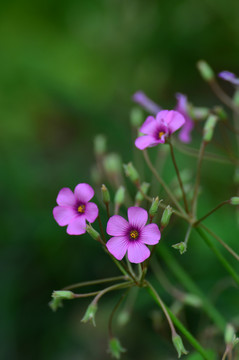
{"x":158,"y":129}
{"x":132,"y":235}
{"x":229,"y":76}
{"x":140,"y":98}
{"x":74,"y":209}
{"x":182,"y":108}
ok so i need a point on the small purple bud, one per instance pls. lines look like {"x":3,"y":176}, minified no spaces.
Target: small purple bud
{"x":229,"y":76}
{"x":140,"y":98}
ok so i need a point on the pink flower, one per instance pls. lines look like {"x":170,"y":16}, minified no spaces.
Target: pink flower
{"x":229,"y":76}
{"x":140,"y":98}
{"x":182,"y":108}
{"x":74,"y":209}
{"x":158,"y":129}
{"x":132,"y":235}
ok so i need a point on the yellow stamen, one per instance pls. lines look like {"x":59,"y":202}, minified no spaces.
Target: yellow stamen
{"x":134,"y":234}
{"x":81,"y":209}
{"x":161,"y":133}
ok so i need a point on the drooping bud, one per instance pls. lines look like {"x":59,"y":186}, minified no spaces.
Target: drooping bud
{"x":115,"y":348}
{"x":105,"y":194}
{"x":234,"y":200}
{"x":206,"y":71}
{"x":55,"y":304}
{"x":92,"y":232}
{"x":209,"y":128}
{"x":144,"y":189}
{"x":63,"y":295}
{"x":166,"y":216}
{"x":154,"y":207}
{"x":136,"y":117}
{"x":119,"y":196}
{"x":229,"y":334}
{"x":90,"y":314}
{"x":112,"y":163}
{"x":182,"y":247}
{"x":178,"y":344}
{"x":100,"y":144}
{"x":131,"y":172}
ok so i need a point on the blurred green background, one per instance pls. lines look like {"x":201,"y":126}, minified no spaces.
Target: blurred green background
{"x":68,"y":70}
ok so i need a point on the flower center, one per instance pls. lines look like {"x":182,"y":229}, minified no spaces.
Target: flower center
{"x":81,"y":209}
{"x":160,"y":134}
{"x":134,"y":234}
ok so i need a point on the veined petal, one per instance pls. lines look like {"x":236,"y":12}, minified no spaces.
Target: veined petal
{"x":137,"y":252}
{"x":91,"y":212}
{"x":84,"y":192}
{"x":161,"y":117}
{"x":175,"y":120}
{"x":63,"y":215}
{"x":149,"y":126}
{"x":117,"y":226}
{"x":150,"y":234}
{"x":137,"y":216}
{"x":145,"y":141}
{"x":117,"y":246}
{"x":77,"y":226}
{"x":66,"y":197}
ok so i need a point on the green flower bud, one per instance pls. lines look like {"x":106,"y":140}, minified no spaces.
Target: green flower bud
{"x":154,"y":207}
{"x":119,"y":195}
{"x":131,"y":172}
{"x":209,"y":128}
{"x":92,"y":232}
{"x":229,"y":334}
{"x":115,"y":348}
{"x":205,"y":70}
{"x":234,"y":200}
{"x":144,"y":188}
{"x":182,"y":247}
{"x":55,"y":304}
{"x":178,"y":344}
{"x":100,"y":144}
{"x":105,"y":194}
{"x":112,"y":163}
{"x":90,"y":314}
{"x":166,"y":216}
{"x":136,"y":117}
{"x":63,"y":294}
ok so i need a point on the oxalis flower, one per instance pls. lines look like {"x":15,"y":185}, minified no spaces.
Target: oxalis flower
{"x":74,"y":209}
{"x":158,"y":129}
{"x":182,"y":108}
{"x":132,"y":235}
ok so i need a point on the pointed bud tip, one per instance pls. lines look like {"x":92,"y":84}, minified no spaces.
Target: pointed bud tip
{"x":115,"y":348}
{"x":178,"y":344}
{"x":90,"y":314}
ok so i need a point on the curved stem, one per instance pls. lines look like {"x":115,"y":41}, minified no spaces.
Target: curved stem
{"x":113,"y":312}
{"x":211,"y":212}
{"x":95,"y":282}
{"x":111,"y":288}
{"x":76,"y":296}
{"x":222,"y":95}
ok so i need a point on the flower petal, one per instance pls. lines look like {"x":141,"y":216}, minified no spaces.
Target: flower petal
{"x":149,"y":126}
{"x":140,"y":98}
{"x":117,"y":246}
{"x":229,"y":76}
{"x":66,"y":197}
{"x":175,"y":120}
{"x":63,"y":215}
{"x":84,"y":192}
{"x":143,"y":142}
{"x":117,"y":226}
{"x":150,"y":234}
{"x":137,"y":216}
{"x":137,"y":252}
{"x":91,"y":212}
{"x":77,"y":226}
{"x":161,"y":117}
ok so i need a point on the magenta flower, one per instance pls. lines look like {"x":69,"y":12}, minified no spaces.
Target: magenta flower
{"x":158,"y":129}
{"x":182,"y":108}
{"x":229,"y":76}
{"x":74,"y":209}
{"x":132,"y":235}
{"x":140,"y":98}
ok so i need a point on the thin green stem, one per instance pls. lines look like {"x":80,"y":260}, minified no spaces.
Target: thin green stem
{"x":188,"y":235}
{"x":95,"y":282}
{"x":94,"y":293}
{"x":220,"y":257}
{"x":211,"y":212}
{"x":101,"y":229}
{"x":113,"y":313}
{"x":111,"y":288}
{"x":179,"y":177}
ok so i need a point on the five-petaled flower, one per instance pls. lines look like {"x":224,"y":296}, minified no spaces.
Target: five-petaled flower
{"x":74,"y":208}
{"x":158,"y":129}
{"x":132,"y":235}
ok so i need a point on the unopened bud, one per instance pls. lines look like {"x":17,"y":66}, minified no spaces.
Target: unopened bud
{"x":182,"y":247}
{"x":119,"y":195}
{"x":92,"y":232}
{"x":209,"y":128}
{"x":205,"y":70}
{"x":154,"y":207}
{"x":234,"y":200}
{"x":144,"y":189}
{"x":178,"y":344}
{"x":90,"y":314}
{"x":229,"y":334}
{"x":105,"y":194}
{"x":136,"y":117}
{"x":100,"y":144}
{"x":63,"y":294}
{"x":131,"y":172}
{"x":115,"y":348}
{"x":112,"y":163}
{"x":55,"y":303}
{"x":166,"y":216}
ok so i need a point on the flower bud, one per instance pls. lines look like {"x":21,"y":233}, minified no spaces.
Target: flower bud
{"x":105,"y":194}
{"x":119,"y":195}
{"x":154,"y":207}
{"x":178,"y":344}
{"x":92,"y":232}
{"x":182,"y":247}
{"x":136,"y":117}
{"x":55,"y":304}
{"x":100,"y":144}
{"x":131,"y":172}
{"x":209,"y":128}
{"x":63,"y":294}
{"x":234,"y":200}
{"x":205,"y":70}
{"x":90,"y":314}
{"x":166,"y":216}
{"x":144,"y":188}
{"x":112,"y":163}
{"x":115,"y":348}
{"x":229,"y":334}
